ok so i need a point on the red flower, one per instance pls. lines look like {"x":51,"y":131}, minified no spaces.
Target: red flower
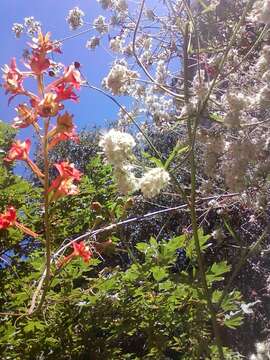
{"x":43,"y":44}
{"x":79,"y":249}
{"x":8,"y":219}
{"x":64,"y":130}
{"x":64,"y":136}
{"x":64,"y":92}
{"x":19,"y":151}
{"x":64,"y":123}
{"x":13,"y":78}
{"x":62,"y":188}
{"x":71,"y":76}
{"x":25,"y":117}
{"x":68,"y":171}
{"x":39,"y":63}
{"x":63,"y":184}
{"x":48,"y":106}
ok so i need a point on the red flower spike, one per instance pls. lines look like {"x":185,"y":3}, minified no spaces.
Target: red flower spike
{"x":19,"y":151}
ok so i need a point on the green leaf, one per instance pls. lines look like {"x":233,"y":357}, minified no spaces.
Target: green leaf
{"x":191,"y":249}
{"x":216,"y":117}
{"x":159,"y":273}
{"x":142,"y":247}
{"x":176,"y":243}
{"x":166,"y":285}
{"x":153,"y":242}
{"x":132,"y":273}
{"x":216,"y":272}
{"x":153,"y":159}
{"x":33,"y":325}
{"x":234,"y":321}
{"x":177,"y":150}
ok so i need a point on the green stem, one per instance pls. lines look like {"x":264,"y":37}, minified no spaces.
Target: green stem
{"x":46,"y":214}
{"x":47,"y":276}
{"x":192,"y":202}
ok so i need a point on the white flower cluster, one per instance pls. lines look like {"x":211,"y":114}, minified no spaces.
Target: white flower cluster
{"x":237,"y":158}
{"x":261,"y":11}
{"x":125,"y":179}
{"x":213,"y":145}
{"x":17,"y":29}
{"x":119,"y":78}
{"x":153,"y":182}
{"x":199,"y":86}
{"x":161,"y":72}
{"x":105,"y":4}
{"x":146,"y":58}
{"x":119,"y":5}
{"x":264,"y":60}
{"x":75,"y":18}
{"x":263,"y":95}
{"x":262,"y":351}
{"x":159,"y":107}
{"x":117,"y":147}
{"x":100,"y":25}
{"x":31,"y":26}
{"x":92,"y":43}
{"x":116,"y":44}
{"x":237,"y":103}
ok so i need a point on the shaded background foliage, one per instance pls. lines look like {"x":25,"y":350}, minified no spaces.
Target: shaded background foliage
{"x":129,"y":303}
{"x":137,"y":301}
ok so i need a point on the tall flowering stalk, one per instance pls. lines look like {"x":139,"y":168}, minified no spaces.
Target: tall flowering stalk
{"x":43,"y":113}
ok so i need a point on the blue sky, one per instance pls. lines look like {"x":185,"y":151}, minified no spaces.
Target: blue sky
{"x":93,"y":109}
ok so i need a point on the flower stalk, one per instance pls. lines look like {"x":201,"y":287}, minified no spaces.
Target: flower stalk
{"x":192,"y":202}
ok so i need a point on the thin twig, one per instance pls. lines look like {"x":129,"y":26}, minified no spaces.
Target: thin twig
{"x":177,"y":96}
